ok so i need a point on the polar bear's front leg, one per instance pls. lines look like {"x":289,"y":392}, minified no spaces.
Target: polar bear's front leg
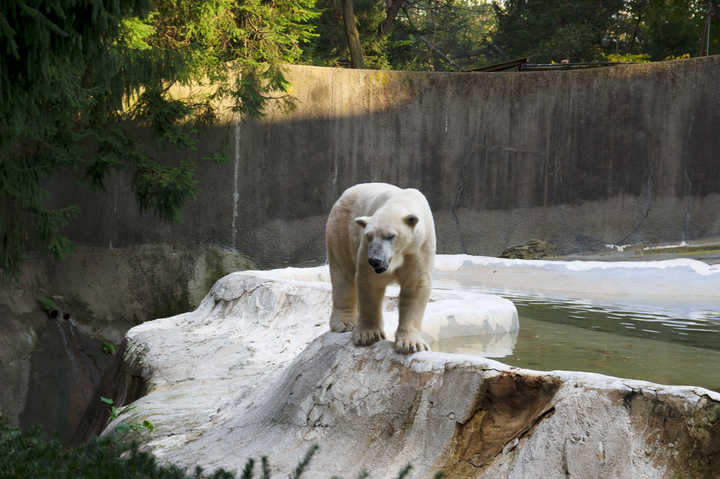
{"x":369,"y":327}
{"x":412,"y":303}
{"x":344,"y":295}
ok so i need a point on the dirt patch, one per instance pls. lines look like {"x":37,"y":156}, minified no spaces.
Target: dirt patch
{"x":508,"y":407}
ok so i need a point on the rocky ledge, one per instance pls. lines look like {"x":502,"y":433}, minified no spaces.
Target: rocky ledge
{"x":253,"y":372}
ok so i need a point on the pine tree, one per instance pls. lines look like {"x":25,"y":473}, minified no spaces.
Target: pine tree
{"x":73,"y":74}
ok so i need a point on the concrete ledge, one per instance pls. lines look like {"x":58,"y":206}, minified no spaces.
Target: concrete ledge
{"x":667,"y":279}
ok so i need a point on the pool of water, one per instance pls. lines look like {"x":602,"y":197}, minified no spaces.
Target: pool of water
{"x":667,"y":341}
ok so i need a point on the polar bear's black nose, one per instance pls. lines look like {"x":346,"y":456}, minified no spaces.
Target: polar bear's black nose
{"x":374,"y":262}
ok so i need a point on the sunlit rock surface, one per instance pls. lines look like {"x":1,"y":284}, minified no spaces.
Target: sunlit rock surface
{"x":254,"y":372}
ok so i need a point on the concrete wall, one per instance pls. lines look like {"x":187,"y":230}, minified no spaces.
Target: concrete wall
{"x":581,"y":159}
{"x":619,"y":155}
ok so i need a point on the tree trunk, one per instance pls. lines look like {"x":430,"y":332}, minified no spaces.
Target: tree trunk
{"x":635,"y":33}
{"x":715,"y":8}
{"x":353,"y":38}
{"x":390,"y":15}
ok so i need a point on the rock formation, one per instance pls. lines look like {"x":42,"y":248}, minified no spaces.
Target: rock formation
{"x":254,"y":372}
{"x":533,"y":249}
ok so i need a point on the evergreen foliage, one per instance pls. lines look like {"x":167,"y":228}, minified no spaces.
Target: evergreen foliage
{"x":73,"y":74}
{"x":664,"y":29}
{"x":30,"y":455}
{"x":553,"y":31}
{"x":330,"y":48}
{"x":453,"y":35}
{"x":442,"y":36}
{"x":445,"y":35}
{"x":550,"y":31}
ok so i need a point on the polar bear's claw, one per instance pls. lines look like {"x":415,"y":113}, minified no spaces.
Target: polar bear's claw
{"x":411,"y":346}
{"x":342,"y":321}
{"x":342,"y":326}
{"x":366,"y":338}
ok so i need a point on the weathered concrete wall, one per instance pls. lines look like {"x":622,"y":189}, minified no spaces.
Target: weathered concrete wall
{"x":579,"y":158}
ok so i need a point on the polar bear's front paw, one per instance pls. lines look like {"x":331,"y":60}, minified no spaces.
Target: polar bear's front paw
{"x":410,"y":344}
{"x":342,"y":322}
{"x":342,"y":326}
{"x":366,"y":337}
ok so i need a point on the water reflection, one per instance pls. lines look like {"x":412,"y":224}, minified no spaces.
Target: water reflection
{"x":486,"y":345}
{"x":693,"y":323}
{"x":667,"y":341}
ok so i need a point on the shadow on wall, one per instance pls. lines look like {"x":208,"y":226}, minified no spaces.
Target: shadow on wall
{"x":65,"y":368}
{"x":579,"y":158}
{"x":49,"y":365}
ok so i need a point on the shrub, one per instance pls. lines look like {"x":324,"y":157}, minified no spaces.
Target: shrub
{"x":29,"y":455}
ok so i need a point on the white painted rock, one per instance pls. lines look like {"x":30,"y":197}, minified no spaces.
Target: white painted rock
{"x":254,"y":372}
{"x":449,"y":314}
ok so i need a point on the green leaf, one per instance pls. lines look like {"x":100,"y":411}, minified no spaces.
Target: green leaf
{"x":46,"y":304}
{"x":108,"y":348}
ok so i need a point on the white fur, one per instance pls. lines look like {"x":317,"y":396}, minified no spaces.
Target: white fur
{"x":392,"y":228}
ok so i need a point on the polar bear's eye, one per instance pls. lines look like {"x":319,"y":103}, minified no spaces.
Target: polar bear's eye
{"x":390,"y":237}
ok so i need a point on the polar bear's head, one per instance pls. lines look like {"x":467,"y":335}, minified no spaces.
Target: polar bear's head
{"x":389,"y":234}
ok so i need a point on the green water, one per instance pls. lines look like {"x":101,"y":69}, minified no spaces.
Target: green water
{"x":670,"y":341}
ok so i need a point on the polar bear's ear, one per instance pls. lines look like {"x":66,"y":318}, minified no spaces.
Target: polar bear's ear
{"x":411,"y":220}
{"x":362,"y":221}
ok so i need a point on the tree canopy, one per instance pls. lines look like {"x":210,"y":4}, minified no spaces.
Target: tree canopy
{"x":462,"y":34}
{"x":551,"y":31}
{"x":72,"y":73}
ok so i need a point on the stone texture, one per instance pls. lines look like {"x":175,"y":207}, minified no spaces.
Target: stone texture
{"x":533,"y":249}
{"x":105,"y":292}
{"x":254,"y":372}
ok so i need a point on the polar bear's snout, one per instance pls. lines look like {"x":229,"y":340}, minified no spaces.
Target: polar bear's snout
{"x":378,"y":265}
{"x":375,"y":263}
{"x":379,"y":255}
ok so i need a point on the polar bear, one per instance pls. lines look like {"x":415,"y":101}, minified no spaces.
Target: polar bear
{"x":379,"y":234}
